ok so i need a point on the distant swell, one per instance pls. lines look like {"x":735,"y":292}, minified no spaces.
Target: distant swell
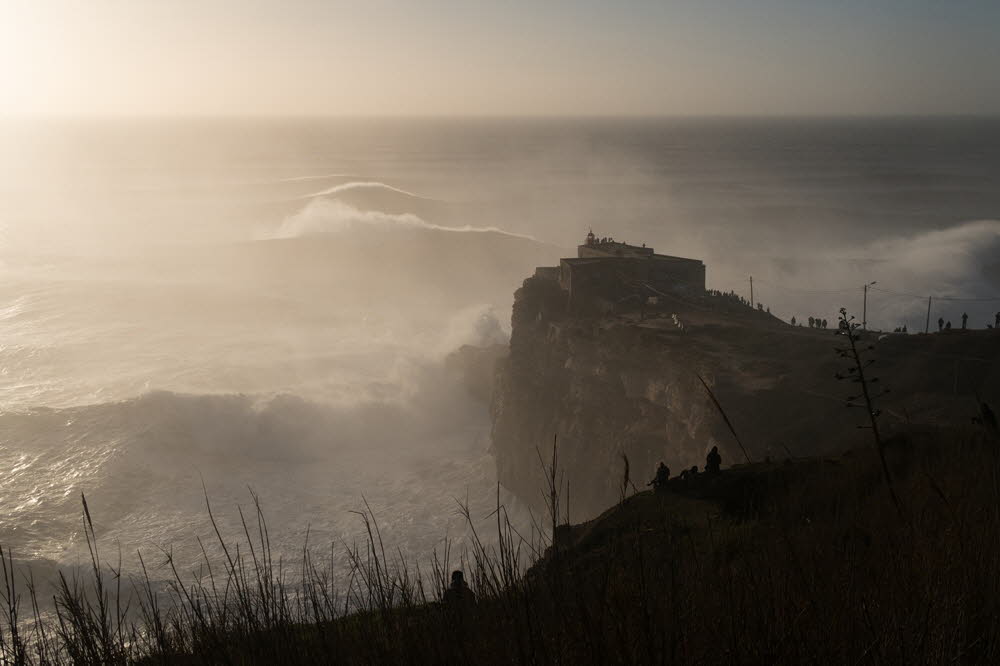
{"x":358,"y":185}
{"x":335,"y":217}
{"x":326,"y":176}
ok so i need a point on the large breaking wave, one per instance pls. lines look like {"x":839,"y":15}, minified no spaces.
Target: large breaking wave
{"x":307,"y":364}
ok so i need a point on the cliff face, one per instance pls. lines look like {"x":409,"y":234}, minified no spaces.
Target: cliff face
{"x":593,"y":384}
{"x":625,"y":385}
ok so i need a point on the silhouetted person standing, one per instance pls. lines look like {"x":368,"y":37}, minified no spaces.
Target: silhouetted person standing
{"x":965,"y":320}
{"x":459,"y":593}
{"x":940,"y":324}
{"x":659,"y":481}
{"x":988,"y":417}
{"x":713,"y":461}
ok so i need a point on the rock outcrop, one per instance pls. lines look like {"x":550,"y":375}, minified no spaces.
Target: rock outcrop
{"x":475,"y":368}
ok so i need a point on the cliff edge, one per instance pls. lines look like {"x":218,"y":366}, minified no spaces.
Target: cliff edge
{"x":627,"y":384}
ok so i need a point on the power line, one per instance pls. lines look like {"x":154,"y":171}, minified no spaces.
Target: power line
{"x":902,"y":293}
{"x":984,"y":299}
{"x":806,"y":291}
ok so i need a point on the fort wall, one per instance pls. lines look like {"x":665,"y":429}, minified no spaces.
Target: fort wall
{"x":607,"y":276}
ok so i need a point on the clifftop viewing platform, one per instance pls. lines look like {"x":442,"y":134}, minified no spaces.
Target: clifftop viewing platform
{"x":608,"y":247}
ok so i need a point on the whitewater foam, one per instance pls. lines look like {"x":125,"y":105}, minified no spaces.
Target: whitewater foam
{"x":142,"y":461}
{"x":944,"y":262}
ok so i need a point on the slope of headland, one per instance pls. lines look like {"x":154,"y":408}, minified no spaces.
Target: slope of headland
{"x":805,"y":561}
{"x":626,"y":384}
{"x":799,"y":561}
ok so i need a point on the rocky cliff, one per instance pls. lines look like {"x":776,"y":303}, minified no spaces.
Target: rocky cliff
{"x":628,"y":385}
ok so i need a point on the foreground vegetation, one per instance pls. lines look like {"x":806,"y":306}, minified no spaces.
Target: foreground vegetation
{"x":798,"y":561}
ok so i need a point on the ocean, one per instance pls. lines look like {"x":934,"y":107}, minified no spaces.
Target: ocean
{"x":204,"y":307}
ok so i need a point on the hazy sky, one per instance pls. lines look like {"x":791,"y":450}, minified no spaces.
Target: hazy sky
{"x":419,"y":57}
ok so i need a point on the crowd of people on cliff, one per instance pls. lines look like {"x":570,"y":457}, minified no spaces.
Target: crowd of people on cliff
{"x":606,"y":240}
{"x":814,"y":322}
{"x":820,"y":322}
{"x":736,"y":298}
{"x":713,"y":467}
{"x":943,"y":325}
{"x":946,"y":325}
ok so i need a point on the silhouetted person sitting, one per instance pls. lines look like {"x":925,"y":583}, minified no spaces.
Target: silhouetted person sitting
{"x":940,"y":323}
{"x":689,"y":475}
{"x":996,"y":322}
{"x":459,"y":592}
{"x":965,"y":320}
{"x":659,"y":481}
{"x":947,"y":326}
{"x":713,"y":461}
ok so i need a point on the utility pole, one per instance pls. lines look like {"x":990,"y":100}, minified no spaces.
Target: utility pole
{"x":927,"y":326}
{"x":864,"y":309}
{"x":752,"y":304}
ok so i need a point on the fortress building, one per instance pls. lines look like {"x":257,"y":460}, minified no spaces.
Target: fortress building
{"x":607,"y":276}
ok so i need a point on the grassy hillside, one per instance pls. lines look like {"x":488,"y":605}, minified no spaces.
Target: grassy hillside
{"x":793,"y":561}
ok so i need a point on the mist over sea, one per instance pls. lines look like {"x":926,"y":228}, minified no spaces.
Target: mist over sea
{"x":268,"y":304}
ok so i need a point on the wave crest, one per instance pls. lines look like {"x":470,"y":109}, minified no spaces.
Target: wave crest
{"x":325,"y":216}
{"x":364,"y":185}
